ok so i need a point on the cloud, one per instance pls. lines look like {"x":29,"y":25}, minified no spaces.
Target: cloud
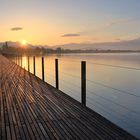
{"x":70,"y":35}
{"x":16,"y":29}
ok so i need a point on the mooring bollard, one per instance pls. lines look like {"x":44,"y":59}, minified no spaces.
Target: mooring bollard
{"x":56,"y":74}
{"x":83,"y":83}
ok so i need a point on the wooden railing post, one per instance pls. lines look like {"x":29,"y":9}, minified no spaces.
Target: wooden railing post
{"x":28,"y":64}
{"x":21,"y":60}
{"x":43,"y":68}
{"x":56,"y":74}
{"x":15,"y":59}
{"x":34,"y":64}
{"x":18,"y":60}
{"x":83,"y":83}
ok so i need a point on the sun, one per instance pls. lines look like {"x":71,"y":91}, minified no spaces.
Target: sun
{"x":24,"y":42}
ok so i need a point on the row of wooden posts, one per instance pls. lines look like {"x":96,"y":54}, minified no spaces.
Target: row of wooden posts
{"x":18,"y":60}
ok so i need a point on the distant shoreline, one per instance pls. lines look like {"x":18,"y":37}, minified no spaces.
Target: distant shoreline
{"x":42,"y":51}
{"x":32,"y":54}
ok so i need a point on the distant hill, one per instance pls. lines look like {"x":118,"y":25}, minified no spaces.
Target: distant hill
{"x":118,"y":45}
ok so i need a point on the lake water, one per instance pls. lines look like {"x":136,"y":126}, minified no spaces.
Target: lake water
{"x":113,"y":83}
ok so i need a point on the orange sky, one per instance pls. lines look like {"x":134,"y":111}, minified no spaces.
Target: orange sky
{"x":47,"y":22}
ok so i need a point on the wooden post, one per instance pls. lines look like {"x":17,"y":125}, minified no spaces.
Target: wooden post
{"x":43,"y":68}
{"x":34,"y":64}
{"x":83,"y":83}
{"x":56,"y":74}
{"x":21,"y":60}
{"x":15,"y":59}
{"x":28,"y":64}
{"x":18,"y":60}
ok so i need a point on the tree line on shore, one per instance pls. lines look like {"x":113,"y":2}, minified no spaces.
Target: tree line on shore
{"x":5,"y":49}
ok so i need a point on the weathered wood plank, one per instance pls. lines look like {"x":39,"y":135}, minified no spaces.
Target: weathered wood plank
{"x":33,"y":109}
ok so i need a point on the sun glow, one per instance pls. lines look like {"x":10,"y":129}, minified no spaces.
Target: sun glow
{"x":24,"y":42}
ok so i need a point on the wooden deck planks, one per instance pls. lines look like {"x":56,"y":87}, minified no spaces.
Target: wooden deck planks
{"x":32,"y":109}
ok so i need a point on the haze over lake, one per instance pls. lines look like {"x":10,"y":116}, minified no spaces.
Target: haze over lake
{"x":112,"y":83}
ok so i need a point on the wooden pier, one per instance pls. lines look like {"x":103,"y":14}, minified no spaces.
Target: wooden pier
{"x":31,"y":109}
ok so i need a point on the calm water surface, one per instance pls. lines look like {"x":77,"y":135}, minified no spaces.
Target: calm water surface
{"x":113,"y":92}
